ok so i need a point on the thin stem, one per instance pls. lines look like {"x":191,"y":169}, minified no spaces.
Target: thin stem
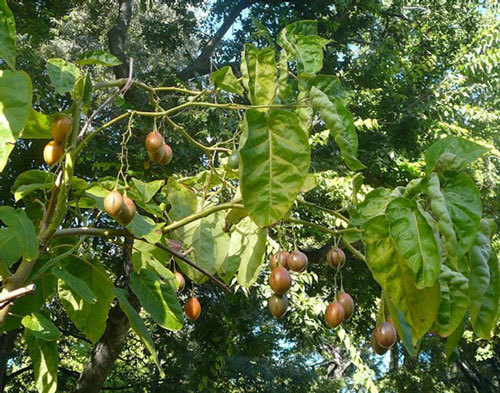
{"x":353,"y":251}
{"x":326,"y":210}
{"x":104,"y":232}
{"x":204,"y":213}
{"x":214,"y":105}
{"x":89,"y":136}
{"x":183,"y":258}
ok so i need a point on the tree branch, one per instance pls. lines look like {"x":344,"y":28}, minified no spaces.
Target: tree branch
{"x":202,"y":63}
{"x":12,"y":295}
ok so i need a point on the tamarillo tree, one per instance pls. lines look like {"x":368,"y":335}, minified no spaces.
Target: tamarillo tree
{"x":426,"y":243}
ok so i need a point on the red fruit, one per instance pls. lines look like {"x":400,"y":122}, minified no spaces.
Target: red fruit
{"x":128,"y":211}
{"x":386,"y":334}
{"x":53,"y":152}
{"x":167,"y":154}
{"x":334,"y":314}
{"x":61,"y":128}
{"x":278,"y":304}
{"x":280,"y":280}
{"x":113,"y":203}
{"x":156,"y":156}
{"x":336,"y":257}
{"x":280,"y":259}
{"x":154,"y":142}
{"x":192,"y":308}
{"x":346,"y":300}
{"x":376,"y":346}
{"x":298,"y":261}
{"x":181,"y":281}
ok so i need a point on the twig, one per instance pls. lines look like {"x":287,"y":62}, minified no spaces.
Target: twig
{"x":108,"y":100}
{"x":7,"y":297}
{"x":326,"y":210}
{"x":183,"y":258}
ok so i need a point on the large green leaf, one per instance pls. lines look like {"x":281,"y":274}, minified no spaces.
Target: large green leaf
{"x":181,"y":198}
{"x":33,"y":180}
{"x":245,"y":253}
{"x":15,"y":104}
{"x":209,"y":243}
{"x":63,"y":75}
{"x":10,"y":248}
{"x":99,"y":57}
{"x":274,"y":161}
{"x":8,"y":35}
{"x":138,"y":326}
{"x":403,"y":328}
{"x":419,"y":306}
{"x":479,"y":273}
{"x":45,"y":358}
{"x":77,"y":285}
{"x":341,"y":125}
{"x":464,"y":204}
{"x":440,"y":210}
{"x":225,"y":79}
{"x":454,"y":301}
{"x":415,"y":240}
{"x":146,"y":191}
{"x":41,"y":327}
{"x":489,"y":312}
{"x":287,"y":36}
{"x":258,"y":67}
{"x":38,"y":125}
{"x":158,"y":299}
{"x":453,"y":339}
{"x":285,"y":83}
{"x":90,"y":318}
{"x":18,"y":221}
{"x":452,"y":153}
{"x":309,"y":52}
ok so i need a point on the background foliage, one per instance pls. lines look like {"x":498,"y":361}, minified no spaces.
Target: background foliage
{"x":415,"y":71}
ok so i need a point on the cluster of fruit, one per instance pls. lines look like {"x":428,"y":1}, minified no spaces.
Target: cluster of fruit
{"x":54,"y":150}
{"x":281,"y":281}
{"x":192,"y":307}
{"x":383,"y":337}
{"x":343,"y":306}
{"x":121,"y":208}
{"x":158,"y":150}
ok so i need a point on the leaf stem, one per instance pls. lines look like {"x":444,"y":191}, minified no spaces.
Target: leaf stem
{"x":326,"y":210}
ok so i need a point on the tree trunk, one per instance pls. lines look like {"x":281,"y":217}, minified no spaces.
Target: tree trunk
{"x":111,"y":343}
{"x":7,"y":341}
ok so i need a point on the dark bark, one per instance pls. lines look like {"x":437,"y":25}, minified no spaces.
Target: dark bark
{"x":109,"y":346}
{"x":394,"y":357}
{"x":117,"y":37}
{"x":7,"y":341}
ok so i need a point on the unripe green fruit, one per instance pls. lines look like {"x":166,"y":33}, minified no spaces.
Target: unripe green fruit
{"x":278,"y":304}
{"x":280,"y":280}
{"x":233,"y":161}
{"x":113,"y":203}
